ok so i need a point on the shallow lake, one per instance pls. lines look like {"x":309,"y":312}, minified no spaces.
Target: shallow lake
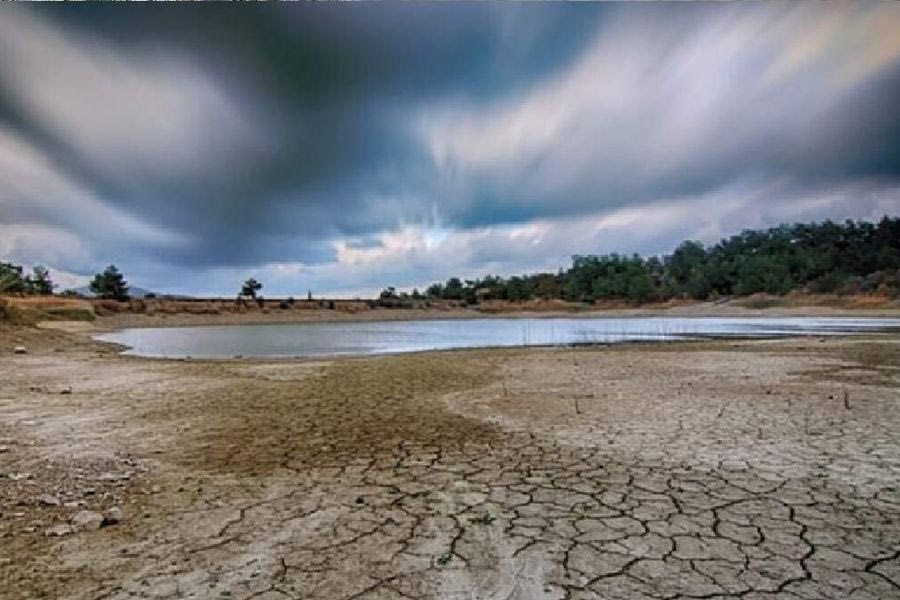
{"x":381,"y":337}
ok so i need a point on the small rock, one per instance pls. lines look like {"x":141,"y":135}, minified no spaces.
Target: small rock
{"x":48,"y":500}
{"x":58,"y":530}
{"x":65,"y":391}
{"x":87,"y":520}
{"x":113,"y":516}
{"x":20,"y":350}
{"x":19,"y":476}
{"x":4,"y":449}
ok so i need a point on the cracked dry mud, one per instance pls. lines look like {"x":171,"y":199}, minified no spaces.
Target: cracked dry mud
{"x":700,"y":470}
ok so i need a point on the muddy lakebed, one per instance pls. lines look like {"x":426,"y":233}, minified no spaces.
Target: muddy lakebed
{"x":388,"y":337}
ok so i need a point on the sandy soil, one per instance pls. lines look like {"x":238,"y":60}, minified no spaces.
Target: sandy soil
{"x":693,"y":470}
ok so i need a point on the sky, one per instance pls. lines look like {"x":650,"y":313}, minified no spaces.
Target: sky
{"x":342,"y":148}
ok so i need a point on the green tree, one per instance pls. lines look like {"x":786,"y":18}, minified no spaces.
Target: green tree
{"x":11,"y":280}
{"x":110,"y":284}
{"x":517,"y":289}
{"x":764,"y":274}
{"x":39,"y":281}
{"x":640,"y":287}
{"x":580,"y":278}
{"x":453,"y":290}
{"x":250,"y":288}
{"x":687,"y":271}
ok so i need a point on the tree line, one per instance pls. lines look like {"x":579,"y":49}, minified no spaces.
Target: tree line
{"x":827,"y":257}
{"x":13,"y":280}
{"x":109,"y":283}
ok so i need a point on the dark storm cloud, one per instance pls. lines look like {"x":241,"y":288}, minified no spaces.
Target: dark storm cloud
{"x":708,"y":96}
{"x":295,"y":122}
{"x":343,"y":143}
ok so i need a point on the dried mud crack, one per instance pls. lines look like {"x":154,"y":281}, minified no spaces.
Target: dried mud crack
{"x":701,"y":470}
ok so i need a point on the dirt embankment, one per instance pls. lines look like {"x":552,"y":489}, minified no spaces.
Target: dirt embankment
{"x":161,"y":312}
{"x":725,"y":469}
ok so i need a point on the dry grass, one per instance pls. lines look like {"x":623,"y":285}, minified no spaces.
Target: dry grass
{"x":31,"y":309}
{"x":46,"y":302}
{"x":11,"y":314}
{"x":803,"y":299}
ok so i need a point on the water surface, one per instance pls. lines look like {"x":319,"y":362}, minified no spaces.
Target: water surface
{"x":381,"y":337}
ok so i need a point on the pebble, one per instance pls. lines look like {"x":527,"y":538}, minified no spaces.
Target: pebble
{"x":58,"y":530}
{"x":4,"y":449}
{"x":20,"y":350}
{"x":87,"y":520}
{"x":113,"y":515}
{"x":48,"y":500}
{"x":66,"y":390}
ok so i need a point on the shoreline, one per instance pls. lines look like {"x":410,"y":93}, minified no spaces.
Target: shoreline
{"x":136,"y":320}
{"x":634,"y":344}
{"x":124,"y":349}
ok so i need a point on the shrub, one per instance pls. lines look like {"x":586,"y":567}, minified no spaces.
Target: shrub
{"x":11,"y":314}
{"x":70,"y":314}
{"x":827,"y":284}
